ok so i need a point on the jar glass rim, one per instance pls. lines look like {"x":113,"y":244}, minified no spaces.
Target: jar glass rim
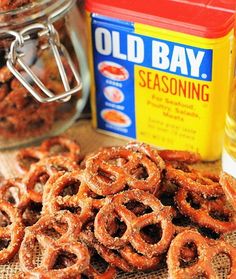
{"x":34,"y":11}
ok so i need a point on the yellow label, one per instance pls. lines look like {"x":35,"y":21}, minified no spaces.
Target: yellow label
{"x":167,"y":106}
{"x":184,"y":113}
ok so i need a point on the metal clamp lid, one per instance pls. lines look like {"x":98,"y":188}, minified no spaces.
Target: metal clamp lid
{"x":15,"y":57}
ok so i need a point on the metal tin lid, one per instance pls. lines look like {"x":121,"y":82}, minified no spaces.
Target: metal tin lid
{"x":203,"y":18}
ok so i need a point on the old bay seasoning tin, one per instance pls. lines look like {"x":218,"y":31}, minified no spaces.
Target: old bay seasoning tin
{"x":163,"y":70}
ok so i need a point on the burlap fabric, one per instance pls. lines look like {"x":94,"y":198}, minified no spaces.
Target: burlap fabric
{"x":90,"y":140}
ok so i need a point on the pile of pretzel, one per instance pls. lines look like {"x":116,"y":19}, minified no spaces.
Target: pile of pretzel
{"x":131,"y":207}
{"x":7,"y":5}
{"x":21,"y":115}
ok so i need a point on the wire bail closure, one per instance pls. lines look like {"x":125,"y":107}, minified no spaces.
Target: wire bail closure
{"x":15,"y":57}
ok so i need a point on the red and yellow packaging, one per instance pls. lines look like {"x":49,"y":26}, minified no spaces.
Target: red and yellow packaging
{"x":162,"y":71}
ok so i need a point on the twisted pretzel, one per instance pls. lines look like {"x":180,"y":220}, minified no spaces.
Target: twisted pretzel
{"x":18,"y":100}
{"x":201,"y":211}
{"x":73,"y":148}
{"x":167,"y":155}
{"x":151,"y":153}
{"x":13,"y":232}
{"x":105,"y":176}
{"x":82,"y":199}
{"x":44,"y":169}
{"x":66,"y":242}
{"x":205,"y":252}
{"x":29,"y":155}
{"x":193,"y":180}
{"x":116,"y":208}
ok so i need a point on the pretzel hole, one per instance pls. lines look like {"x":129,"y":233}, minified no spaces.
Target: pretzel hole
{"x":58,"y":167}
{"x":70,"y":189}
{"x":4,"y":219}
{"x":193,"y":202}
{"x":139,"y":172}
{"x":166,"y":193}
{"x":181,"y":220}
{"x":188,"y":255}
{"x":167,"y":198}
{"x":40,"y":181}
{"x":222,"y":264}
{"x":32,"y":214}
{"x":36,"y":253}
{"x":221,"y":216}
{"x":52,"y":232}
{"x":106,"y":176}
{"x":64,"y":259}
{"x":72,"y":209}
{"x":138,"y":208}
{"x":27,"y":161}
{"x":98,"y":263}
{"x":116,"y":228}
{"x":88,"y":225}
{"x":58,"y":148}
{"x":151,"y":234}
{"x":12,"y":195}
{"x":4,"y":243}
{"x":120,"y":161}
{"x":207,"y":232}
{"x":55,"y":230}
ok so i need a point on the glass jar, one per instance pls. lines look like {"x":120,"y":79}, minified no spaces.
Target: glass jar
{"x":44,"y":77}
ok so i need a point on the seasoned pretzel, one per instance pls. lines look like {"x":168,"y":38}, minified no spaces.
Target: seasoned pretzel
{"x":114,"y":259}
{"x":19,"y":124}
{"x":13,"y":232}
{"x":193,"y":180}
{"x":29,"y":154}
{"x":80,"y":199}
{"x":14,"y":191}
{"x":147,"y":150}
{"x":228,"y":184}
{"x":16,"y":100}
{"x":202,"y":211}
{"x":205,"y":253}
{"x":39,"y":122}
{"x":115,"y":207}
{"x":166,"y":155}
{"x":180,"y":156}
{"x":73,"y":148}
{"x":105,"y":177}
{"x":66,"y":242}
{"x":44,"y":169}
